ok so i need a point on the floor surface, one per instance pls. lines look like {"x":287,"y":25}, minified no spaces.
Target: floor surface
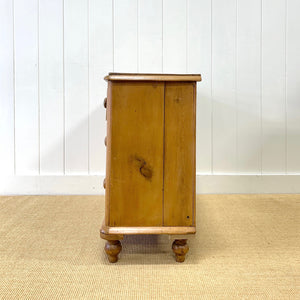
{"x":246,"y":247}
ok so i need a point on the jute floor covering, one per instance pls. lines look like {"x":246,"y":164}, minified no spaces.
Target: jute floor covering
{"x":246,"y":247}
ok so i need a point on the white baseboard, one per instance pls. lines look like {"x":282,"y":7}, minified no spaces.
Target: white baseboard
{"x":92,"y":185}
{"x":248,"y":184}
{"x":52,"y":185}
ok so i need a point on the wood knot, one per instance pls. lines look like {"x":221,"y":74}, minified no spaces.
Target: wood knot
{"x":146,"y":172}
{"x":144,"y":169}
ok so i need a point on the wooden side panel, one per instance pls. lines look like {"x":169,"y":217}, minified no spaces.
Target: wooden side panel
{"x":179,"y":169}
{"x":136,"y":112}
{"x":106,"y":183}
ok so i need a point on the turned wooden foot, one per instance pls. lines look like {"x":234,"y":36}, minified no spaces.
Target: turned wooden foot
{"x":180,"y":248}
{"x":112,"y":249}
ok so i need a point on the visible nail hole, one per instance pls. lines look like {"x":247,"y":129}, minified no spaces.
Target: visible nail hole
{"x":188,"y":217}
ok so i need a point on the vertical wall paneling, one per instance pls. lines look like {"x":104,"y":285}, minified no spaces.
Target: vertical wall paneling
{"x":76,"y":85}
{"x":100,"y":63}
{"x":248,"y":86}
{"x":54,"y":55}
{"x":26,"y":87}
{"x":224,"y":86}
{"x":125,"y":36}
{"x":199,"y":61}
{"x":51,"y":86}
{"x":6,"y":88}
{"x":273,"y":87}
{"x":293,"y":87}
{"x":174,"y":36}
{"x":150,"y":36}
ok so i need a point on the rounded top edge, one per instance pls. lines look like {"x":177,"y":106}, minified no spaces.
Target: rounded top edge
{"x":152,"y":77}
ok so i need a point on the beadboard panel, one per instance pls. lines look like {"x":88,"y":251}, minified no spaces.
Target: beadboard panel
{"x":7,"y":93}
{"x":100,"y":61}
{"x":76,"y":82}
{"x":150,"y":36}
{"x":125,"y":36}
{"x":174,"y":36}
{"x":54,"y":55}
{"x":292,"y":78}
{"x":224,"y":117}
{"x":27,"y":106}
{"x":199,"y":57}
{"x":51,"y":86}
{"x":273,"y":100}
{"x":248,"y":86}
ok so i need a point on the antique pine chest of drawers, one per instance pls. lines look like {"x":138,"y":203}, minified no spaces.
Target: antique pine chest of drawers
{"x":150,"y":165}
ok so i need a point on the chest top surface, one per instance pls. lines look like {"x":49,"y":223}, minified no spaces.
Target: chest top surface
{"x":151,"y":77}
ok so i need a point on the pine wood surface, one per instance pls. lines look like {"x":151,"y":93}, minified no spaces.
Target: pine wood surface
{"x":179,"y":154}
{"x":150,"y":141}
{"x":150,"y":181}
{"x":136,"y":153}
{"x":152,"y":77}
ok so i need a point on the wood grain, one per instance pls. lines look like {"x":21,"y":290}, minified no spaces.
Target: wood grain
{"x":108,"y":232}
{"x":179,"y":169}
{"x":153,"y":77}
{"x":135,"y":151}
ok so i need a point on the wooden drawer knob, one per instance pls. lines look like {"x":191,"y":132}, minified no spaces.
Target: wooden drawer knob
{"x":105,"y":141}
{"x":105,"y":102}
{"x":104,"y":183}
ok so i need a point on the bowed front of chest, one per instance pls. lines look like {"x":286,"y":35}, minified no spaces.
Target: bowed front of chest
{"x":151,"y":154}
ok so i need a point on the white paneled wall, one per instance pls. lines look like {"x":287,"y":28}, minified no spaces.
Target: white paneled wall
{"x":54,"y":55}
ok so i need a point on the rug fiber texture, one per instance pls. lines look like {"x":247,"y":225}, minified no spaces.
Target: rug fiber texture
{"x":246,"y":247}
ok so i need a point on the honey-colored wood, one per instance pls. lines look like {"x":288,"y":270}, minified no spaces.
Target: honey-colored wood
{"x":135,"y":153}
{"x":150,"y":164}
{"x":179,"y":154}
{"x":112,"y":249}
{"x":108,"y":151}
{"x":110,"y":237}
{"x":172,"y":230}
{"x":152,"y":77}
{"x":180,"y":248}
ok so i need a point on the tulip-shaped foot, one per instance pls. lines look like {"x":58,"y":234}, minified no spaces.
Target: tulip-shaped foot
{"x":180,"y":248}
{"x":112,"y":249}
